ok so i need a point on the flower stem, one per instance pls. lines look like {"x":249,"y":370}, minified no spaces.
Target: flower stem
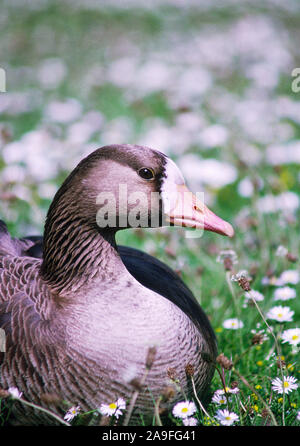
{"x":42,"y":409}
{"x":134,"y":398}
{"x":199,"y":402}
{"x":236,"y":307}
{"x":257,"y":394}
{"x":277,"y":350}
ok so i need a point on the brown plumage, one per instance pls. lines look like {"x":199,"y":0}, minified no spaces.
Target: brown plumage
{"x":78,"y":323}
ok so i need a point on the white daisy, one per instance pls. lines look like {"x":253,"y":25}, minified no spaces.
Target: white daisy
{"x":280,"y":314}
{"x":227,"y":254}
{"x":292,"y":336}
{"x":191,"y":421}
{"x":219,"y":398}
{"x":114,"y":408}
{"x":289,"y":276}
{"x":274,"y":281}
{"x":284,"y":293}
{"x":281,"y":251}
{"x":226,"y":418}
{"x":255,"y":295}
{"x":233,"y":324}
{"x":288,"y":384}
{"x":72,"y":413}
{"x":226,"y":390}
{"x":298,"y":416}
{"x":14,"y":392}
{"x":184,"y":409}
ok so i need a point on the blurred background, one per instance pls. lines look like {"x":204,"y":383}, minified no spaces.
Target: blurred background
{"x":207,"y":82}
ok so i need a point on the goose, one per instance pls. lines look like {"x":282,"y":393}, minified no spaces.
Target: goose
{"x":81,"y":314}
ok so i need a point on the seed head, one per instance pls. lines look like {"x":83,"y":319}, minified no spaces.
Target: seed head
{"x":172,"y":373}
{"x":225,"y":362}
{"x":105,"y":421}
{"x":280,"y":363}
{"x":3,"y":393}
{"x":150,"y":357}
{"x":168,"y":393}
{"x":136,"y":384}
{"x":244,"y":284}
{"x":257,"y":339}
{"x":291,"y":257}
{"x":50,"y":398}
{"x":234,"y":384}
{"x":228,"y":257}
{"x":190,"y":369}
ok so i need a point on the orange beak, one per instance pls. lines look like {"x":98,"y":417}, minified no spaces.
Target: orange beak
{"x":191,"y":212}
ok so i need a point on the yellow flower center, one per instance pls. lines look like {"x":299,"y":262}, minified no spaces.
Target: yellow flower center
{"x":228,"y":418}
{"x":279,"y":315}
{"x":286,"y":384}
{"x":184,"y":409}
{"x":295,"y":337}
{"x":112,"y":406}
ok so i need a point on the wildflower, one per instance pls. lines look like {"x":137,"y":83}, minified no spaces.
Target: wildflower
{"x":289,"y":276}
{"x":226,"y":418}
{"x":281,"y":251}
{"x":287,"y":385}
{"x":191,"y":421}
{"x":219,"y":398}
{"x":259,"y":363}
{"x":292,"y":336}
{"x":228,"y":257}
{"x":72,"y":413}
{"x":243,"y":279}
{"x":233,"y":324}
{"x":284,"y":293}
{"x":298,"y":416}
{"x":184,"y":409}
{"x":258,"y":337}
{"x":227,"y":390}
{"x":280,"y":314}
{"x":272,"y":280}
{"x":253,"y":295}
{"x":14,"y":392}
{"x":115,"y":408}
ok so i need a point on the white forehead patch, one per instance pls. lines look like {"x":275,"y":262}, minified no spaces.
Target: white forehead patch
{"x":168,"y":189}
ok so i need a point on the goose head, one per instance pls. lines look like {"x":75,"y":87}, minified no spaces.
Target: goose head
{"x":115,"y":187}
{"x":125,"y":186}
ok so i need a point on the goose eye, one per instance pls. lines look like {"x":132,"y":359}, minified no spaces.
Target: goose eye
{"x":146,"y":173}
